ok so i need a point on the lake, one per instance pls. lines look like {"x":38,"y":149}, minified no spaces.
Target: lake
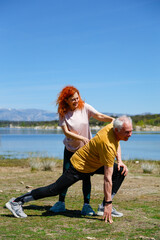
{"x":21,"y":143}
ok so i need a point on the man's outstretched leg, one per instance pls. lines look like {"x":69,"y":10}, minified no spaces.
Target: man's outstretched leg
{"x":66,"y":180}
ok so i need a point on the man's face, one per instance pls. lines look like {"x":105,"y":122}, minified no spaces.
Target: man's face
{"x":125,"y":132}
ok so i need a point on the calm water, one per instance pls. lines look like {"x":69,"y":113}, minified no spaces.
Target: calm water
{"x":23,"y":142}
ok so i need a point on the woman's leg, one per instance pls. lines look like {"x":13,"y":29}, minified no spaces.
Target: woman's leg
{"x":86,"y":188}
{"x":87,"y":209}
{"x":66,"y":165}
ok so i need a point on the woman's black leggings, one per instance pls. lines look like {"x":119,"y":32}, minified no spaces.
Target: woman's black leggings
{"x":68,"y":178}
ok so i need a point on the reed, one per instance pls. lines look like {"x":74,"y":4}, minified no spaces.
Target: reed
{"x":41,"y":163}
{"x":147,"y":167}
{"x":48,"y":165}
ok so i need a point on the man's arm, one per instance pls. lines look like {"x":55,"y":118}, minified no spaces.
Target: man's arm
{"x":108,"y":171}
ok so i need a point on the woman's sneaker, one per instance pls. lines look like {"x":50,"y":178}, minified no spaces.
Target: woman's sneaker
{"x":114,"y":213}
{"x":16,"y":208}
{"x":87,"y":210}
{"x":58,"y":207}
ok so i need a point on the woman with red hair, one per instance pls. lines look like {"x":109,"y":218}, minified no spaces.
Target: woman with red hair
{"x":74,"y":115}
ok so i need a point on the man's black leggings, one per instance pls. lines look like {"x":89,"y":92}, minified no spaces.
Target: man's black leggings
{"x":70,"y":177}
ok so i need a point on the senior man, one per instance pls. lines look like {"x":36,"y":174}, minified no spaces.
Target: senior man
{"x":97,"y":156}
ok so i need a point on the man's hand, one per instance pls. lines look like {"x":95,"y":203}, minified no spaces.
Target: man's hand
{"x":125,"y":169}
{"x":107,"y":213}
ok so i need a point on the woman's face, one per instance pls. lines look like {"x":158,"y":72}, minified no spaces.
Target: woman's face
{"x":73,"y":101}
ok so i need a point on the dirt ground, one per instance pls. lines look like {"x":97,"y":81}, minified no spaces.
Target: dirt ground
{"x":136,"y":184}
{"x":138,"y":199}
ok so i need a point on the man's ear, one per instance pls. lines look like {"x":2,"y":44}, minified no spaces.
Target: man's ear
{"x":116,"y":130}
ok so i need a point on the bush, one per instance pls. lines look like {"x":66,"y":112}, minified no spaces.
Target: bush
{"x":47,"y":165}
{"x":41,"y":163}
{"x":35,"y":163}
{"x":147,"y":168}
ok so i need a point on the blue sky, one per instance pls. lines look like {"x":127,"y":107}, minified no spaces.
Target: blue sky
{"x":109,"y":50}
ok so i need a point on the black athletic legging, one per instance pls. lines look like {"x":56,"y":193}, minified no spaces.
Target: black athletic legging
{"x":86,"y":183}
{"x":68,"y":178}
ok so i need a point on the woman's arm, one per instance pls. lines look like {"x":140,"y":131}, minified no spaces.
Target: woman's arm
{"x":72,"y":135}
{"x":102,"y":117}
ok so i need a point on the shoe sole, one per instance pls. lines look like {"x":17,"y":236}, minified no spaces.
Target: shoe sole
{"x":100,"y":213}
{"x":8,"y":205}
{"x":116,"y":215}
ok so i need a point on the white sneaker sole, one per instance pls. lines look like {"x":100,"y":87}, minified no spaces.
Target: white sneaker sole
{"x":8,"y":205}
{"x":101,"y":214}
{"x":117,"y":215}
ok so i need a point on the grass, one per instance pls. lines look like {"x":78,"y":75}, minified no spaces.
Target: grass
{"x":138,"y":199}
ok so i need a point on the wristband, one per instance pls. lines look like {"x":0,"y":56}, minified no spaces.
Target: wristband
{"x":108,"y":202}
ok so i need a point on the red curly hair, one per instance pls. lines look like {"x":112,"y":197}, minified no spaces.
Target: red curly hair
{"x":67,"y":92}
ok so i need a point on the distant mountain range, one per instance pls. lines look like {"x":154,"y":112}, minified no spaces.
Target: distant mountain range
{"x":26,"y":115}
{"x":31,"y":115}
{"x":34,"y":115}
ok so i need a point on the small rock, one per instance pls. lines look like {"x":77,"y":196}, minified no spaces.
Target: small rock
{"x":148,"y":238}
{"x":90,"y":237}
{"x":29,"y":186}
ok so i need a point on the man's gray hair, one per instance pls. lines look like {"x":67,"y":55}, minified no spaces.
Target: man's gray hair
{"x":118,"y":122}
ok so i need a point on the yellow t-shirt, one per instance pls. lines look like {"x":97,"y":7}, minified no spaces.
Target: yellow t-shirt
{"x":100,"y":151}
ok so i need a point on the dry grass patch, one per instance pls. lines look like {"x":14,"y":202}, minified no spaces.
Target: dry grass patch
{"x":138,"y":199}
